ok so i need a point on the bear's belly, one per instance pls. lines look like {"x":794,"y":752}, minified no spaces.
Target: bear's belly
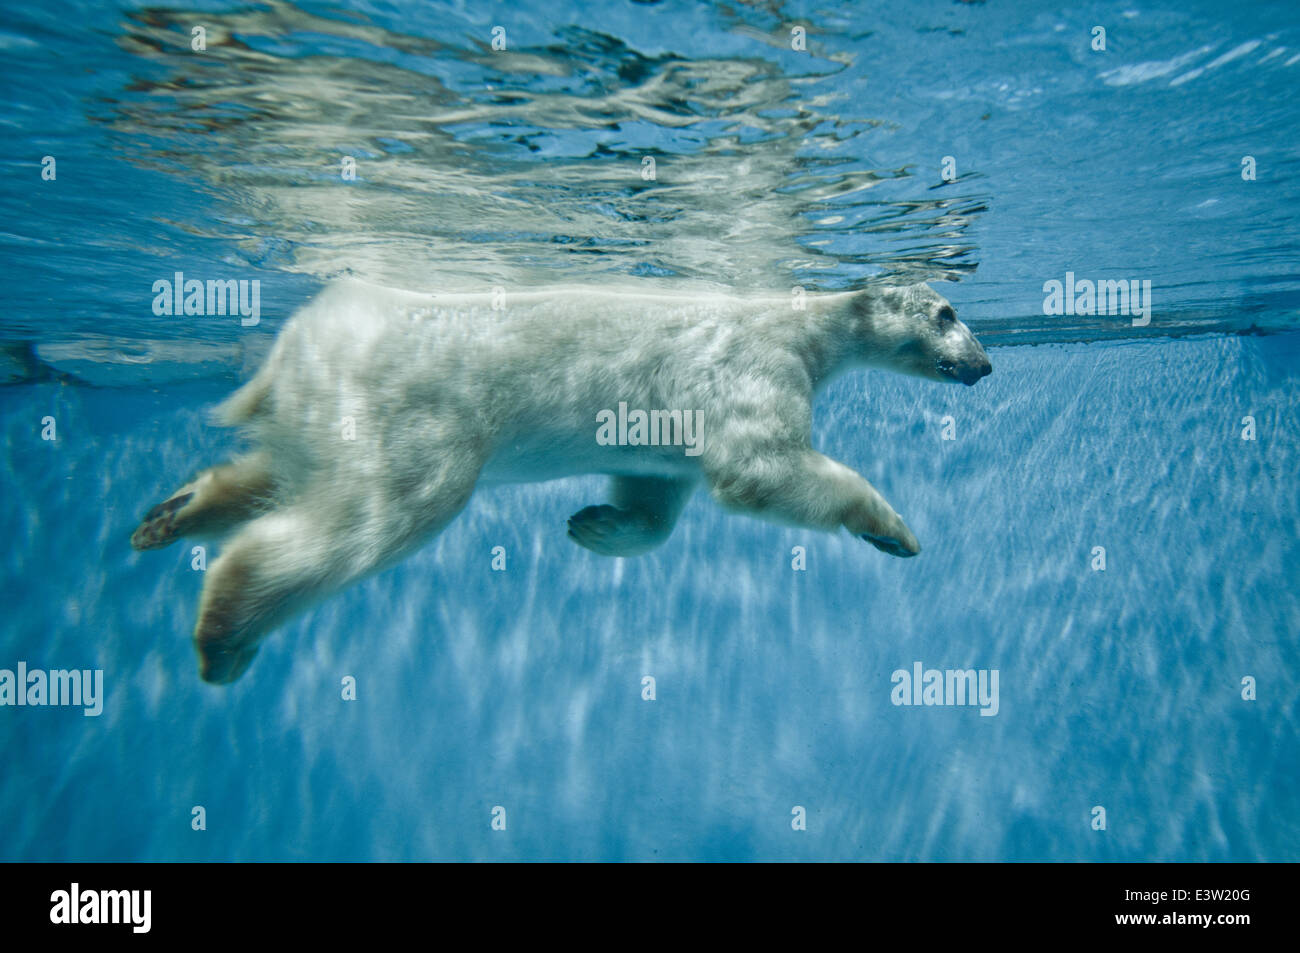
{"x":539,"y":457}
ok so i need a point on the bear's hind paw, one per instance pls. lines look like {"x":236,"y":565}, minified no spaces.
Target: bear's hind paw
{"x":159,"y":526}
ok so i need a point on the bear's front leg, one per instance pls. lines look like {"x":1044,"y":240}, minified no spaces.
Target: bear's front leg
{"x":805,"y":488}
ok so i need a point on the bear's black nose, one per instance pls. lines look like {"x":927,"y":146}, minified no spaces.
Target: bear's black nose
{"x":972,"y":373}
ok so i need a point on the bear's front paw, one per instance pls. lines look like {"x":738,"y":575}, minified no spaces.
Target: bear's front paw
{"x":611,"y":531}
{"x":222,"y":664}
{"x":903,"y":544}
{"x":597,"y":528}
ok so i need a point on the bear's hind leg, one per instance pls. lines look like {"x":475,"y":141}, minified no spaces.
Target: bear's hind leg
{"x":287,"y":559}
{"x":215,"y":500}
{"x":642,"y":515}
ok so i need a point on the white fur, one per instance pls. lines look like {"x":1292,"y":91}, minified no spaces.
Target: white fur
{"x":445,"y":392}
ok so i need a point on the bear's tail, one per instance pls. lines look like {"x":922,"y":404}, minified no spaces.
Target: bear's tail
{"x":241,"y":406}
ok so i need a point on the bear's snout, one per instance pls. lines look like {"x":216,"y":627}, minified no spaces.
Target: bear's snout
{"x":973,"y":372}
{"x":968,"y":373}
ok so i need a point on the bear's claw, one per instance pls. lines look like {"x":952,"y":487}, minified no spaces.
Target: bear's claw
{"x":158,"y":528}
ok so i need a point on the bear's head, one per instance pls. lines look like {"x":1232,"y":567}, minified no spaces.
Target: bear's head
{"x":913,"y":329}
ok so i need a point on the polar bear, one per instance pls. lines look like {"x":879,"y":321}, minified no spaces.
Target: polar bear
{"x":379,"y":411}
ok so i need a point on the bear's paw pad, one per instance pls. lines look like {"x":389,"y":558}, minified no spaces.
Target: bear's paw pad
{"x":895,"y":547}
{"x":606,"y":530}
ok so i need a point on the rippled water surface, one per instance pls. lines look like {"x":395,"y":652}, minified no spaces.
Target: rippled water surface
{"x":820,"y":168}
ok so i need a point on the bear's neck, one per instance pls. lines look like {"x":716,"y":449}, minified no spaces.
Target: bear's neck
{"x":835,"y":338}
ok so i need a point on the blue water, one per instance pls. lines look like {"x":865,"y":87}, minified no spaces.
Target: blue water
{"x":522,"y":689}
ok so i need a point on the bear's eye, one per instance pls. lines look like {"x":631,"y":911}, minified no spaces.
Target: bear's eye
{"x":946,"y":314}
